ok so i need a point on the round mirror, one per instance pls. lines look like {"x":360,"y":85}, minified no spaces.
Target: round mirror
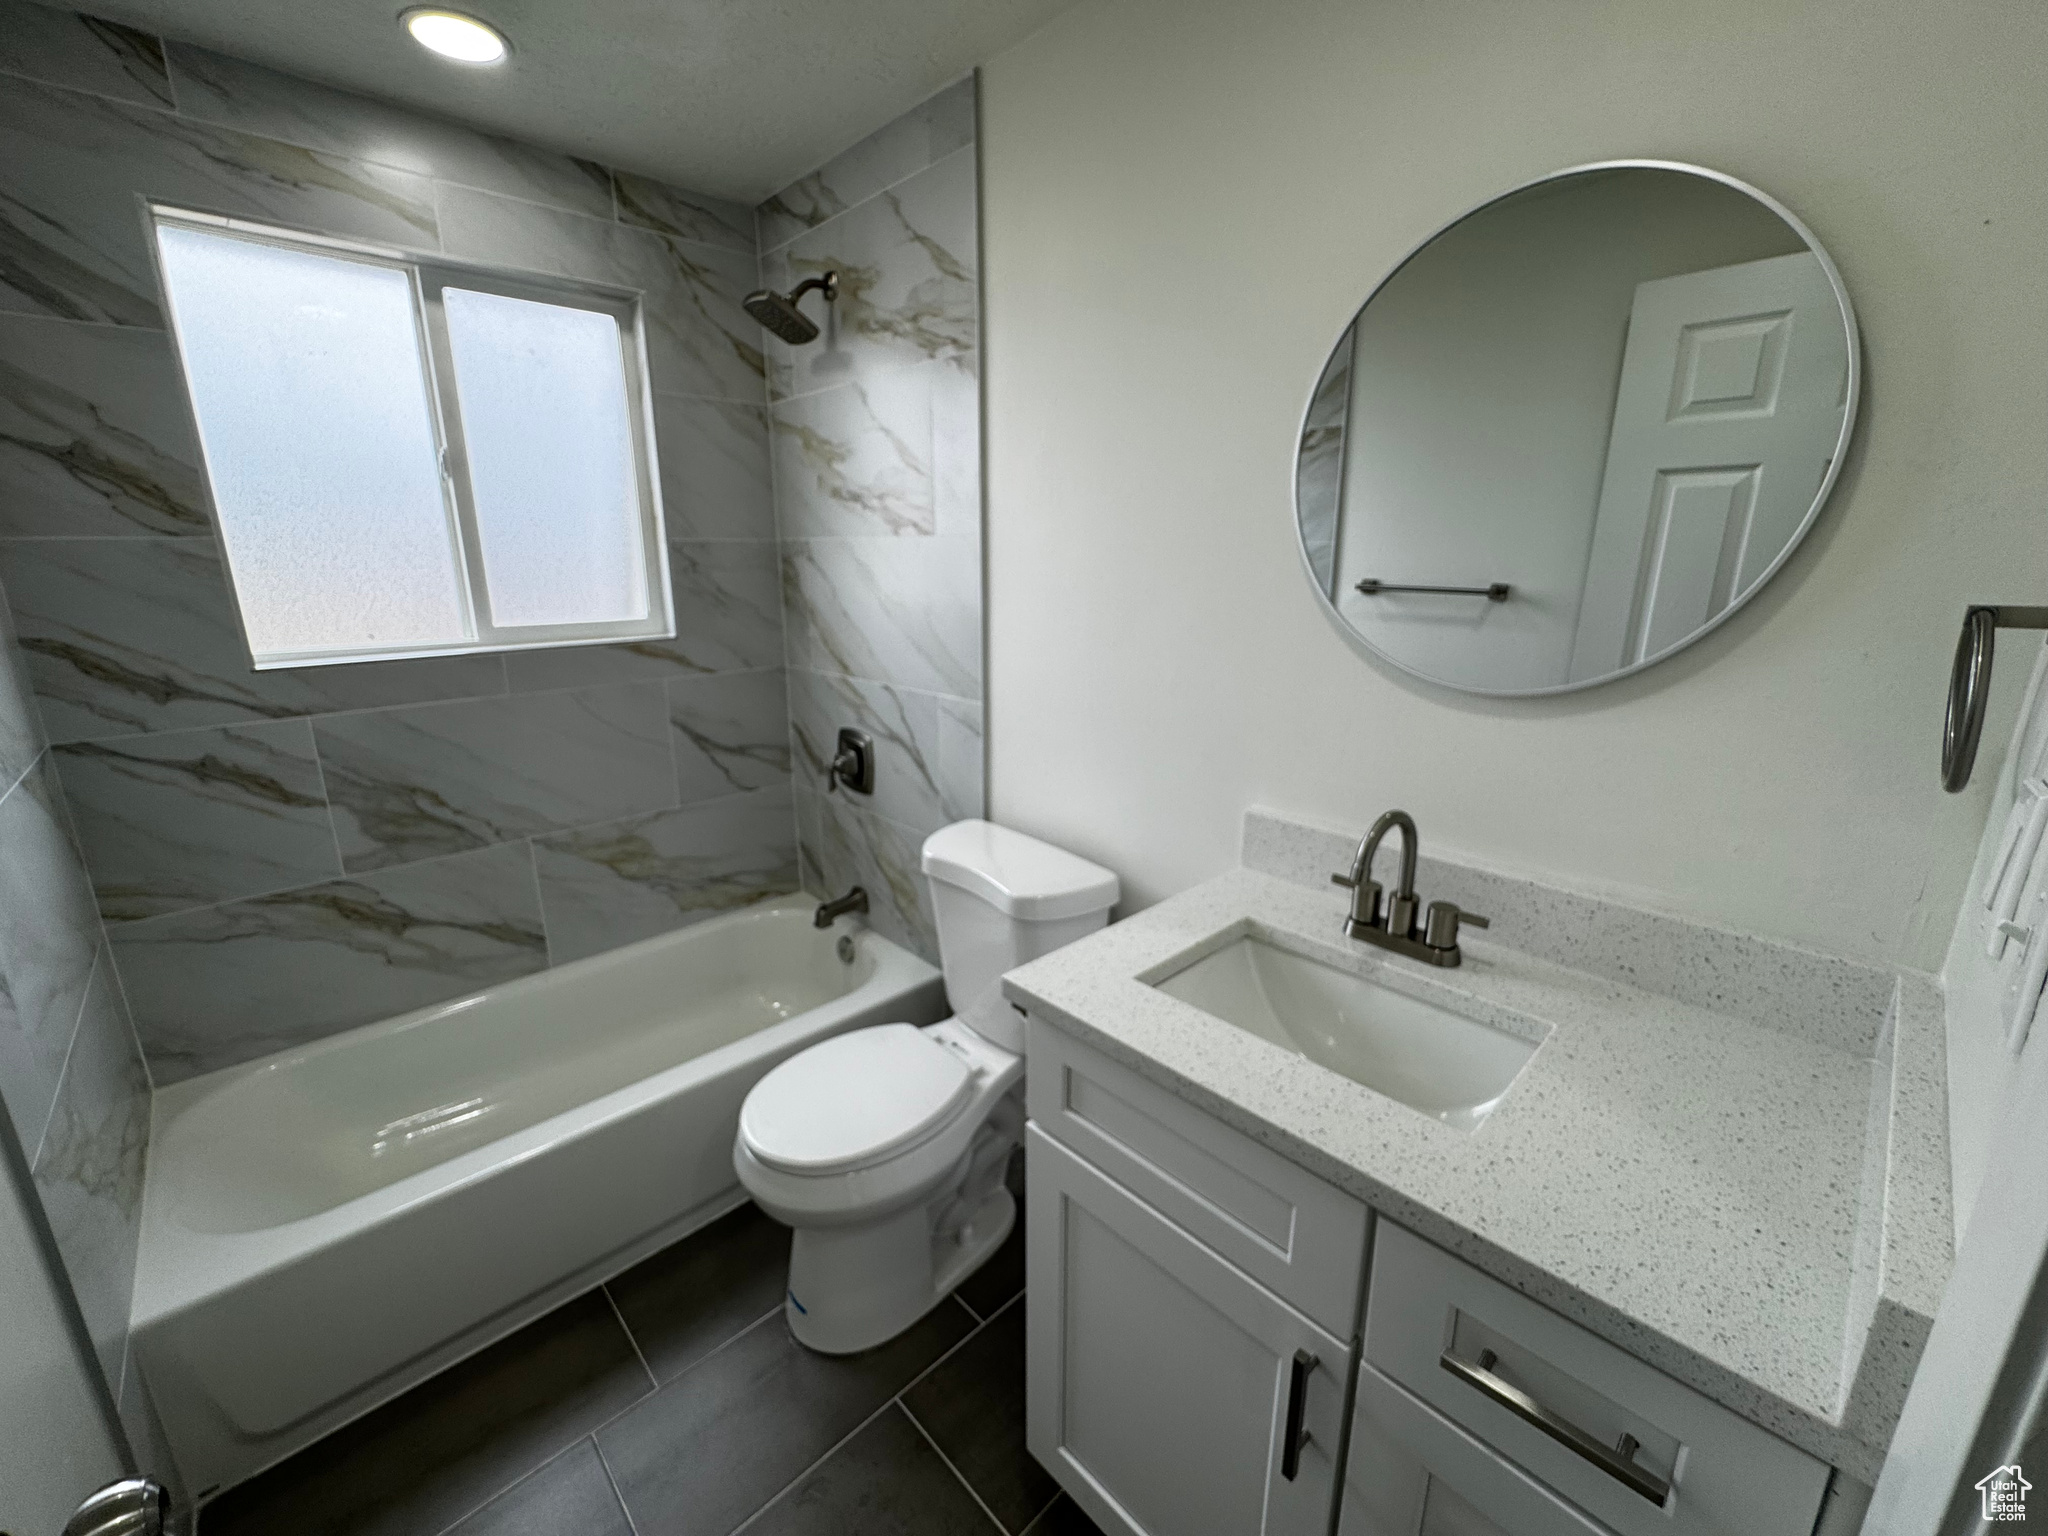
{"x":1576,"y":429}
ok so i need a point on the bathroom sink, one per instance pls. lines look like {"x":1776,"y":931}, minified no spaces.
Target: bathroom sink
{"x":1427,"y":1057}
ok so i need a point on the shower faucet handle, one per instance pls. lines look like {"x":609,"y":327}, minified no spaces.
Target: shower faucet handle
{"x":853,"y":764}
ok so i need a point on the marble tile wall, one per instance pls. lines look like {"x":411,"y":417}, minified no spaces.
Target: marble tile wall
{"x":73,"y":1088}
{"x":876,"y":442}
{"x":282,"y":855}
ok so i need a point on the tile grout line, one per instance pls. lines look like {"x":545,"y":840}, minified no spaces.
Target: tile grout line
{"x":892,"y":368}
{"x":127,"y":1365}
{"x":618,"y":1493}
{"x":518,"y":1482}
{"x":671,"y":729}
{"x":488,"y":136}
{"x":163,"y":51}
{"x":257,"y":722}
{"x":22,"y":778}
{"x":134,"y":1032}
{"x":659,"y":394}
{"x":35,"y":1159}
{"x":326,"y":799}
{"x":43,"y":82}
{"x":865,"y":811}
{"x":600,"y":1428}
{"x":1038,"y":1519}
{"x":547,"y":945}
{"x":833,"y":1450}
{"x":127,"y":924}
{"x":812,"y":229}
{"x":653,"y":1381}
{"x":782,"y":604}
{"x":843,"y":1440}
{"x":611,"y":220}
{"x":654,"y":1386}
{"x":100,"y":325}
{"x":960,"y":1476}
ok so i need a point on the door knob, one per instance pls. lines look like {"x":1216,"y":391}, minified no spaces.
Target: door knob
{"x":133,"y":1506}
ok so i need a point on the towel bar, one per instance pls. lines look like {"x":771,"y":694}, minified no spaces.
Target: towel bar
{"x":1496,"y":592}
{"x":1969,"y":685}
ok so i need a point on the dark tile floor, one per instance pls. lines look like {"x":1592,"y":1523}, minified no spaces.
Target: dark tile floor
{"x":673,"y":1402}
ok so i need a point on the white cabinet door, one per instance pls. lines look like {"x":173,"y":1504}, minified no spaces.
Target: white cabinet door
{"x":1161,"y":1379}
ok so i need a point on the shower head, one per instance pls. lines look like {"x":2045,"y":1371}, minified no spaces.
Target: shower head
{"x":779,"y":313}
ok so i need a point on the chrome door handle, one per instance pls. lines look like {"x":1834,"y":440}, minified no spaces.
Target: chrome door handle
{"x":1618,"y":1463}
{"x":131,"y":1506}
{"x":1297,"y":1410}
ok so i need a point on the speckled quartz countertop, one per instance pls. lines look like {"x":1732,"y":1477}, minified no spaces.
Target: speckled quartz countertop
{"x":1754,"y":1203}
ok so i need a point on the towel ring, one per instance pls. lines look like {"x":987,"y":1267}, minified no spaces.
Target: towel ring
{"x":1969,"y":685}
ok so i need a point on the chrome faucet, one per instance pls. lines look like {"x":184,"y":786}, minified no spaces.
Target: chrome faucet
{"x":855,"y":900}
{"x":1437,"y":939}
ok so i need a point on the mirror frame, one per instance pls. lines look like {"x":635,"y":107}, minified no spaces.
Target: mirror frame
{"x":1851,"y":408}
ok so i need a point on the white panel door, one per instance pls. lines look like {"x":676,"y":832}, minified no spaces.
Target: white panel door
{"x":58,"y":1441}
{"x":1733,"y":384}
{"x":1159,"y":1377}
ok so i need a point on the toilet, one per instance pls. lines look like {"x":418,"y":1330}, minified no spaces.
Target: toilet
{"x":885,"y":1148}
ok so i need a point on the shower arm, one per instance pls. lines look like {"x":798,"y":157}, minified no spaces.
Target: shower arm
{"x":829,"y":283}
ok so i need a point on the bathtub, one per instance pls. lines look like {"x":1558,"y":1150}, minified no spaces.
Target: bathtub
{"x":328,"y":1226}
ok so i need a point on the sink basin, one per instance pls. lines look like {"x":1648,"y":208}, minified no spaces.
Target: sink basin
{"x":1427,"y":1057}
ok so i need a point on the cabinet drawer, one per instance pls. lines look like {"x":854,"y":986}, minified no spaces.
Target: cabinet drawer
{"x":1412,"y":1472}
{"x":1459,"y":1340}
{"x":1301,"y":1238}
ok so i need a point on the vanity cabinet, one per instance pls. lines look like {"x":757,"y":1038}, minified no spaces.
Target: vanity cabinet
{"x":1208,"y":1355}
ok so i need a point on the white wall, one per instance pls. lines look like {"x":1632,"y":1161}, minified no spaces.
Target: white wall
{"x":1182,"y":202}
{"x":1482,"y":399}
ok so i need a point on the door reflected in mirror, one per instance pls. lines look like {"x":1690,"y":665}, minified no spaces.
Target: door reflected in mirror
{"x":1576,"y":429}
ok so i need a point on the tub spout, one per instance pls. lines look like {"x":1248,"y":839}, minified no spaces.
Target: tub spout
{"x":855,"y":900}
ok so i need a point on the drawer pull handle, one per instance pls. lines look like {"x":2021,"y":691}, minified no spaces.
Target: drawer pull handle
{"x":1297,"y":1410}
{"x":1618,"y":1463}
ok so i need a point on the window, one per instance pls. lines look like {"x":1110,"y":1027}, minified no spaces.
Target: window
{"x":412,"y":458}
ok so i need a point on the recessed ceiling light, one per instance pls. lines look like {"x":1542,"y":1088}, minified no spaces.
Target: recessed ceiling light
{"x":455,"y":36}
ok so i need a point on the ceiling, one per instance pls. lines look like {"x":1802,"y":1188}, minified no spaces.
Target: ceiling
{"x":731,"y":97}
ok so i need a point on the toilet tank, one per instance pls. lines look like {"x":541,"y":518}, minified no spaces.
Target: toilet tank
{"x":1002,"y":898}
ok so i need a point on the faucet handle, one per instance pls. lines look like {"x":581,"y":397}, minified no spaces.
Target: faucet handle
{"x":1440,"y":929}
{"x":1365,"y":902}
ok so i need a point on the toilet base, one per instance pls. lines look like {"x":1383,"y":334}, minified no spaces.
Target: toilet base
{"x":851,"y":1288}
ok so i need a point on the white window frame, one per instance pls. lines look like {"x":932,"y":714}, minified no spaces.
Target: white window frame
{"x":427,"y":275}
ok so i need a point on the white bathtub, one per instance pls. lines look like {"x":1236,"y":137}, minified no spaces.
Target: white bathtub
{"x":328,"y":1226}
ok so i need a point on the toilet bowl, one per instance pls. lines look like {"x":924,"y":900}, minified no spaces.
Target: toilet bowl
{"x":885,"y":1149}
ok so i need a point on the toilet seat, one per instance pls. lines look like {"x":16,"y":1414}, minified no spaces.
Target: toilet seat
{"x":854,"y":1101}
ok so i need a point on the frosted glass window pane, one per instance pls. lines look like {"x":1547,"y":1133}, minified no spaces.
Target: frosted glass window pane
{"x":306,"y":375}
{"x":546,"y":428}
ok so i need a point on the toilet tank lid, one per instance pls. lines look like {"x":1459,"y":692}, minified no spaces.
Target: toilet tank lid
{"x":1017,"y":875}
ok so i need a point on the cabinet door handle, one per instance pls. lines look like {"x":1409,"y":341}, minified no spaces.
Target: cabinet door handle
{"x":1297,"y":1410}
{"x":1617,"y":1464}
